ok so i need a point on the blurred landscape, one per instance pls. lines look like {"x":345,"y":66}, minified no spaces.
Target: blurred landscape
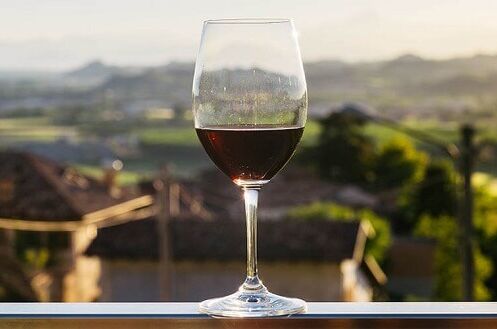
{"x":372,"y":151}
{"x":149,"y":107}
{"x":106,"y":194}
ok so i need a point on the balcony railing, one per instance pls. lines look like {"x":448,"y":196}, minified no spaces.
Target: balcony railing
{"x":185,"y":315}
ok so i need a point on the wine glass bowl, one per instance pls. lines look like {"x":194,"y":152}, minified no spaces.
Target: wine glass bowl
{"x":250,"y":108}
{"x":250,"y":155}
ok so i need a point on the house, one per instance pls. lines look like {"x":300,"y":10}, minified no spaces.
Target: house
{"x":53,"y":212}
{"x":188,"y":259}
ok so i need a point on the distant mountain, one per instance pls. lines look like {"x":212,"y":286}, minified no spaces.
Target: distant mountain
{"x":171,"y":83}
{"x":96,"y":72}
{"x":405,"y":82}
{"x":407,"y":79}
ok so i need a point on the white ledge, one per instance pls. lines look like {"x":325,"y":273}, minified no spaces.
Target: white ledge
{"x":189,"y":310}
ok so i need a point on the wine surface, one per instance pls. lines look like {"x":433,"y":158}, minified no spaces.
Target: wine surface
{"x":250,"y":154}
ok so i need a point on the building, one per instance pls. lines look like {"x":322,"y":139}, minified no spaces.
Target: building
{"x":194,"y":248}
{"x":187,"y":259}
{"x":50,"y":213}
{"x":171,"y":240}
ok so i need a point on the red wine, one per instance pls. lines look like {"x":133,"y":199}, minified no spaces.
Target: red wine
{"x":248,"y":154}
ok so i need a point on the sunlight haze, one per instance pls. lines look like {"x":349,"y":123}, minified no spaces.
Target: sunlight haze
{"x":59,"y":35}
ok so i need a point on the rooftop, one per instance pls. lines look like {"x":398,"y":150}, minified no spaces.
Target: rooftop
{"x":36,"y":188}
{"x":193,"y":239}
{"x":292,"y":187}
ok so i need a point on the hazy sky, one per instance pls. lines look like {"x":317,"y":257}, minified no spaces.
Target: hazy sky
{"x":61,"y":34}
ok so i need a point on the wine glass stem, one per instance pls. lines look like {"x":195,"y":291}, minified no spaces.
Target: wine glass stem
{"x":252,"y":281}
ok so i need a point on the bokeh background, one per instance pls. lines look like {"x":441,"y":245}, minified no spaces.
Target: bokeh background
{"x":107,"y":195}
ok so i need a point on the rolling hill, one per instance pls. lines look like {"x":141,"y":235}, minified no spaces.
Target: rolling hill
{"x":402,"y":83}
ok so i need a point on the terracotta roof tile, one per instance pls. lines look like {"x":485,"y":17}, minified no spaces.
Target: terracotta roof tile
{"x":225,"y":240}
{"x":32,"y":187}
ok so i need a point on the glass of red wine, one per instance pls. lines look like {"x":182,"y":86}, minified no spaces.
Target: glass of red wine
{"x":250,"y":108}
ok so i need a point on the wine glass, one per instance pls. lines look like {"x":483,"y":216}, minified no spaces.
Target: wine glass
{"x":250,"y":108}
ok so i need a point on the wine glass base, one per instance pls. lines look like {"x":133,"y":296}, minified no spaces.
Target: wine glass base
{"x":243,"y":304}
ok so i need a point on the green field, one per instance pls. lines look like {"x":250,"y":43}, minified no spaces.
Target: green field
{"x":181,"y":136}
{"x":28,"y":129}
{"x":41,"y":129}
{"x":186,"y":136}
{"x":179,"y":147}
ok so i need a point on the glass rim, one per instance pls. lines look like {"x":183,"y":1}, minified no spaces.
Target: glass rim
{"x":261,"y":20}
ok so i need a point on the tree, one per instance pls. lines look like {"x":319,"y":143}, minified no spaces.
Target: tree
{"x":435,"y":195}
{"x":448,"y":262}
{"x":485,"y":219}
{"x":179,"y":112}
{"x":343,"y":152}
{"x":398,"y":164}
